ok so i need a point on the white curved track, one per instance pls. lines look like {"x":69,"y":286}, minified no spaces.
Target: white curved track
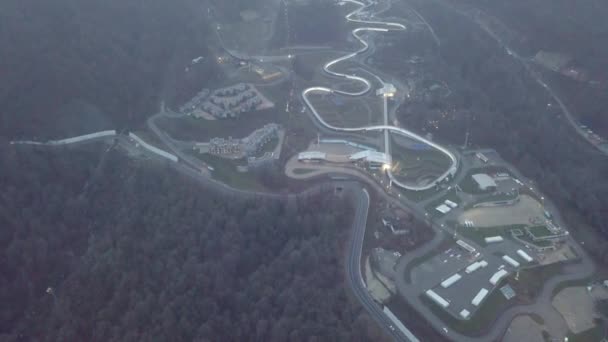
{"x":367,"y":86}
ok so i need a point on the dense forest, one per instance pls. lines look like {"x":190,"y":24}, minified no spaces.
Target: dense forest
{"x":143,"y":255}
{"x":295,"y":27}
{"x":96,"y":64}
{"x":496,"y":100}
{"x":576,"y":29}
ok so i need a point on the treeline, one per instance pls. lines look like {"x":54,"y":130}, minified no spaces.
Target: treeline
{"x":141,"y":254}
{"x":504,"y":108}
{"x":116,"y":59}
{"x":315,"y":22}
{"x":540,"y":25}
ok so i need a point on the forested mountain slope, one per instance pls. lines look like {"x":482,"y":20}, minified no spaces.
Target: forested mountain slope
{"x":145,"y":255}
{"x":110,"y":62}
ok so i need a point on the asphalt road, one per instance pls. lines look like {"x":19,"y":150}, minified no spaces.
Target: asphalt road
{"x":353,"y":270}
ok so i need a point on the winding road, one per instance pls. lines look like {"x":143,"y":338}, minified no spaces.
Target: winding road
{"x":356,"y":33}
{"x":355,"y":278}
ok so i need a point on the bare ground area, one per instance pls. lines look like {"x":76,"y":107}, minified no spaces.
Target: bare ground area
{"x":575,"y":304}
{"x":377,"y":290}
{"x":522,"y":212}
{"x":563,"y":253}
{"x":524,"y":328}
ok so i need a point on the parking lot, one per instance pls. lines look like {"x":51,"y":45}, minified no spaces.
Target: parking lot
{"x":428,"y":274}
{"x":460,"y":294}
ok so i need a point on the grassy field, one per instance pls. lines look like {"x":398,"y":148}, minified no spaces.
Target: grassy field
{"x":416,"y":166}
{"x":418,"y":196}
{"x":190,"y":128}
{"x":541,"y":243}
{"x":300,"y":129}
{"x":540,"y":231}
{"x":530,"y":281}
{"x":226,"y":172}
{"x":342,"y":111}
{"x":478,"y":234}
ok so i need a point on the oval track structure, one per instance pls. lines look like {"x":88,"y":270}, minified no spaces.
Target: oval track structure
{"x":388,"y":26}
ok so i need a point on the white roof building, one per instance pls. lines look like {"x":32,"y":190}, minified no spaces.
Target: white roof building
{"x":451,"y":204}
{"x":312,"y":155}
{"x":479,"y":297}
{"x":498,"y":276}
{"x":524,"y":255}
{"x":475,"y":266}
{"x":484,"y":181}
{"x":510,"y":260}
{"x":451,"y":280}
{"x":437,"y":298}
{"x":388,"y":90}
{"x":444,"y":209}
{"x":465,"y":313}
{"x":492,"y":239}
{"x":371,"y":157}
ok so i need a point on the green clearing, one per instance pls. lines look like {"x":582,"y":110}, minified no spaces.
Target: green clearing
{"x":191,"y":128}
{"x":348,"y":112}
{"x":412,"y":164}
{"x":226,"y":172}
{"x":530,"y":281}
{"x":299,"y":128}
{"x":478,"y":234}
{"x":540,"y":231}
{"x":541,"y":243}
{"x":418,"y":196}
{"x":481,"y":320}
{"x":468,"y":185}
{"x":451,"y":195}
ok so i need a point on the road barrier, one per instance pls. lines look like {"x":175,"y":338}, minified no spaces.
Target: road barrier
{"x":153,"y":149}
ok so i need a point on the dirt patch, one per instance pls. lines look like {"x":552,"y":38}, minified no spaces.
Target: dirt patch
{"x":524,"y":211}
{"x":575,"y":304}
{"x":376,"y":289}
{"x":563,"y":253}
{"x":524,"y":328}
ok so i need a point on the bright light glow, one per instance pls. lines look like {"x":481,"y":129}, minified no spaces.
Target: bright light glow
{"x":386,"y":167}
